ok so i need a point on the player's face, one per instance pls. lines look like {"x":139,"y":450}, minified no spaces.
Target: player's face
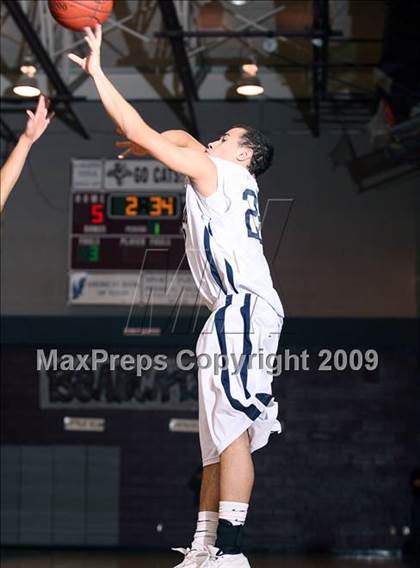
{"x":229,"y":147}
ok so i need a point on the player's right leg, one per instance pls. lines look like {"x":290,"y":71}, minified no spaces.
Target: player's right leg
{"x":240,"y":413}
{"x":208,"y":516}
{"x":210,"y":492}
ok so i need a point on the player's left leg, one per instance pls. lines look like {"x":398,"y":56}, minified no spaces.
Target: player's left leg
{"x":237,"y":471}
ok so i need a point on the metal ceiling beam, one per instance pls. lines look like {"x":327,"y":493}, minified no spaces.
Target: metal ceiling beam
{"x":46,"y":63}
{"x":172,"y":25}
{"x":179,"y":33}
{"x":219,"y":42}
{"x":320,"y":51}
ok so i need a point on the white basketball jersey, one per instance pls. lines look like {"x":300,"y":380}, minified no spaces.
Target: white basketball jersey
{"x":223,"y":238}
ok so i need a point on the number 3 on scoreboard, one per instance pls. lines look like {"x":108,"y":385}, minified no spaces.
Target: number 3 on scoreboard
{"x":156,"y":206}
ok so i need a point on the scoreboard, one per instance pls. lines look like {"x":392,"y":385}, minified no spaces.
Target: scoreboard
{"x":126,"y":244}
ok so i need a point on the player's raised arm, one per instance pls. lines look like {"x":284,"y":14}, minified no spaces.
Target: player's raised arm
{"x":180,"y":138}
{"x":189,"y":161}
{"x":10,"y":172}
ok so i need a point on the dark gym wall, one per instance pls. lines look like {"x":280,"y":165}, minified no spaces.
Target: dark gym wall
{"x":337,"y":478}
{"x":344,"y":254}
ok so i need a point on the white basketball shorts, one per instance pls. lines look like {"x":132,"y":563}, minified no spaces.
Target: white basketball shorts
{"x":234,"y":397}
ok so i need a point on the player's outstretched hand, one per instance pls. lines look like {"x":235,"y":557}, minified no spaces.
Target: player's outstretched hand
{"x":92,"y":62}
{"x":38,"y":122}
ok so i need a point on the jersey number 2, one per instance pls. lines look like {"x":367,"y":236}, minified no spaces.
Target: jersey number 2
{"x":252,"y":215}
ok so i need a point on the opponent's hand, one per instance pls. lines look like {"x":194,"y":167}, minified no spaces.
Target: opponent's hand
{"x":131,"y":149}
{"x":92,"y":63}
{"x":38,"y":122}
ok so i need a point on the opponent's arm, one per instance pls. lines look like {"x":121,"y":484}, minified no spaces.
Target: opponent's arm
{"x":10,"y":172}
{"x":186,"y":160}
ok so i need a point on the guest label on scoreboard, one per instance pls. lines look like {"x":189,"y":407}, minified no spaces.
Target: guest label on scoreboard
{"x":87,"y":174}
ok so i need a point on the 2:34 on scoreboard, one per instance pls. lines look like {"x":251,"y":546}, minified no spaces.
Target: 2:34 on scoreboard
{"x":142,"y":206}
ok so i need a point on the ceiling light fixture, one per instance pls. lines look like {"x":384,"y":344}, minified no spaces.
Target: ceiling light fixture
{"x":249,"y":85}
{"x":270,"y":45}
{"x":238,"y":2}
{"x":27,"y":84}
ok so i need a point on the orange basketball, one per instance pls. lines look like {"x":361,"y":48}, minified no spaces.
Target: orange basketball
{"x":78,"y":14}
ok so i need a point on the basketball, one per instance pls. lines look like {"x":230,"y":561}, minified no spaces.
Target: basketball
{"x":78,"y":14}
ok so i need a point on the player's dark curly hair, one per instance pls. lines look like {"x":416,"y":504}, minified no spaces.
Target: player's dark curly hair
{"x":263,"y":150}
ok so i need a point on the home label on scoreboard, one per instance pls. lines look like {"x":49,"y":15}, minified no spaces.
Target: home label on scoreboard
{"x":125,"y":241}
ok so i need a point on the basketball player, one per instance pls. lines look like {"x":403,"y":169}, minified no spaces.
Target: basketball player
{"x":11,"y":170}
{"x":237,"y":412}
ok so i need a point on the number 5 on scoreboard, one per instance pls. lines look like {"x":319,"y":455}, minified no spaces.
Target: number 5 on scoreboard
{"x":97,"y":213}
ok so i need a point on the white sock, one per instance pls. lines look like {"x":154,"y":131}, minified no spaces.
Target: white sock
{"x":205,"y":533}
{"x":233,"y":512}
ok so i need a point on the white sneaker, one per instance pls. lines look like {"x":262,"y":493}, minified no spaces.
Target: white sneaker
{"x":193,"y":558}
{"x":217,"y":559}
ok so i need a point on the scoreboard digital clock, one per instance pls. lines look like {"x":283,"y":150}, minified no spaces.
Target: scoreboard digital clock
{"x":143,"y":206}
{"x":126,"y":242}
